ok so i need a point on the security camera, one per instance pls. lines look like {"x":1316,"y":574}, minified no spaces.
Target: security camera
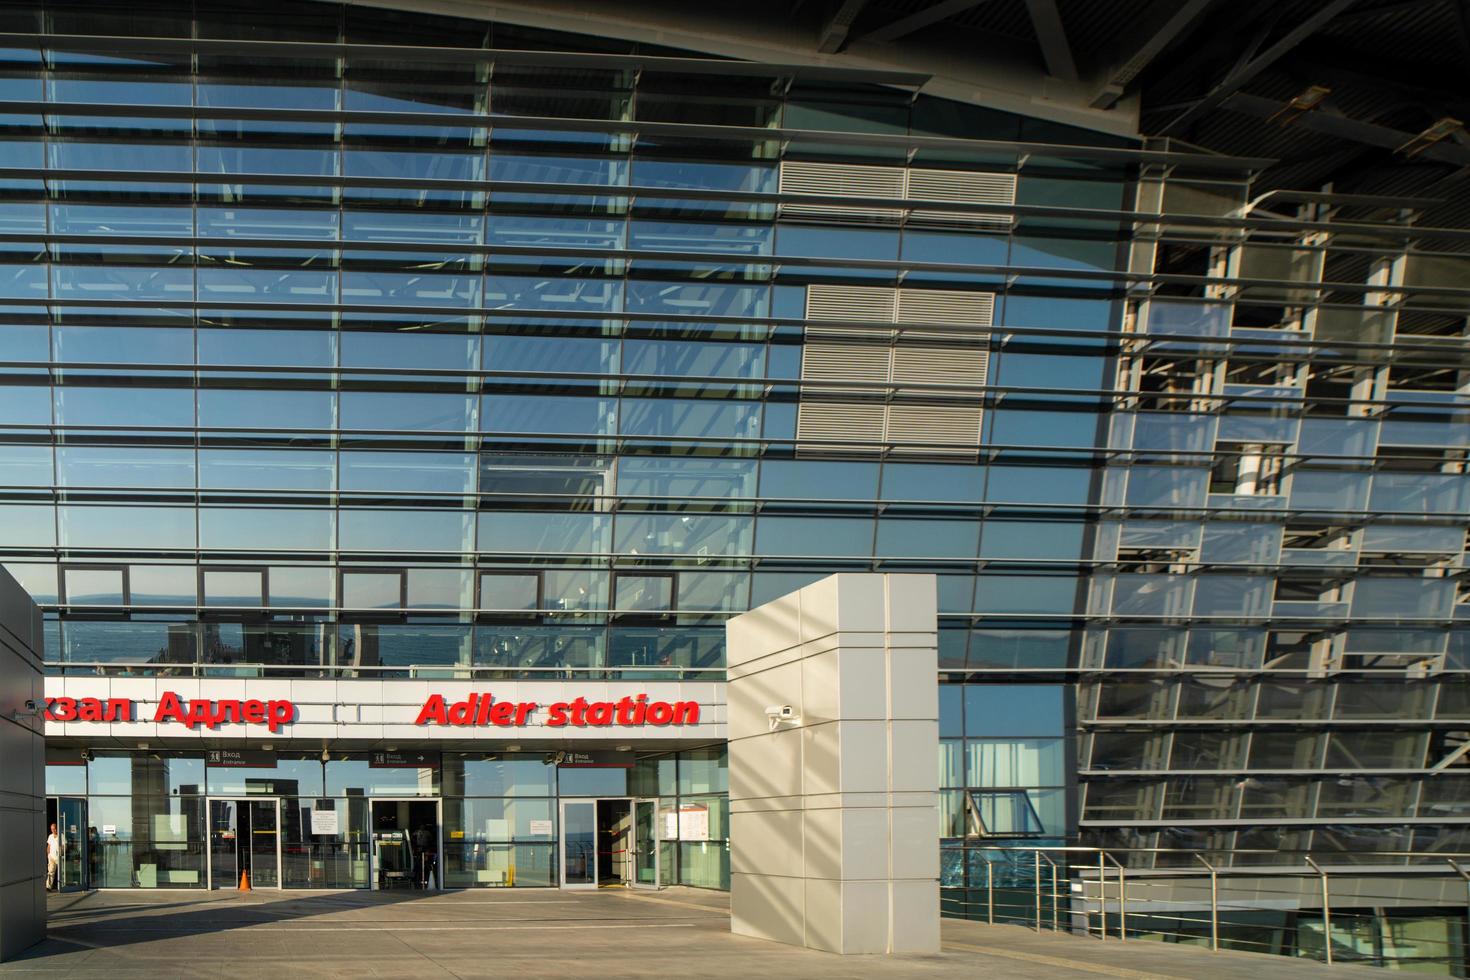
{"x":779,"y":713}
{"x":29,"y":710}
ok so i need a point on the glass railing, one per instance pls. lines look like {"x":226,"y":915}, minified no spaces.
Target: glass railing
{"x":1395,"y":909}
{"x":383,"y":650}
{"x":145,"y":864}
{"x":330,"y":865}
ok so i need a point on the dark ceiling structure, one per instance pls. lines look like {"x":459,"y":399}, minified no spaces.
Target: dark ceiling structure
{"x":1364,"y":97}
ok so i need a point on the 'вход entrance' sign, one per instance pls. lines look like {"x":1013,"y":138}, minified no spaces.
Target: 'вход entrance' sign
{"x":629,"y":712}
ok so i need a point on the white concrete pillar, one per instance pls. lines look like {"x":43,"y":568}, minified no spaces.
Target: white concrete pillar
{"x":834,"y":821}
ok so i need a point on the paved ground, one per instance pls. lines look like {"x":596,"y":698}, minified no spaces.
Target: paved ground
{"x":533,"y":933}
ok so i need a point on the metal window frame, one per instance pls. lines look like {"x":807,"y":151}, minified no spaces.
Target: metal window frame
{"x":63,"y":599}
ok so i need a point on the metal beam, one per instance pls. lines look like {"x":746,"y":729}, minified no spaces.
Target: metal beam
{"x":1238,"y":77}
{"x":1332,"y":124}
{"x":835,"y":30}
{"x":1052,"y":36}
{"x":1462,"y":28}
{"x":1160,"y":26}
{"x":1339,"y":66}
{"x":932,"y":14}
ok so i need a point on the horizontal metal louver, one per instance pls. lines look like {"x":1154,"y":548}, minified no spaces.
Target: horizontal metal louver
{"x":955,"y":425}
{"x":950,"y":307}
{"x":843,"y":424}
{"x":844,"y":362}
{"x":912,"y":365}
{"x":920,"y":185}
{"x":841,"y":180}
{"x":960,"y":187}
{"x":868,"y":304}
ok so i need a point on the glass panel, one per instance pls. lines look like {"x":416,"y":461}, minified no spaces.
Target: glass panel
{"x":682,"y":534}
{"x":372,"y":590}
{"x":579,"y":843}
{"x":497,"y":774}
{"x":261,"y":528}
{"x":264,"y":836}
{"x":1010,"y":710}
{"x":643,"y":593}
{"x":645,"y":842}
{"x":405,"y":530}
{"x":296,"y":587}
{"x":265,"y":469}
{"x":106,"y":466}
{"x":233,"y":588}
{"x":94,"y":586}
{"x":508,"y":592}
{"x":223,"y":842}
{"x":71,"y":820}
{"x":419,"y":472}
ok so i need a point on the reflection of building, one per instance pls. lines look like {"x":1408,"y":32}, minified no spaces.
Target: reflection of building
{"x":452,"y":351}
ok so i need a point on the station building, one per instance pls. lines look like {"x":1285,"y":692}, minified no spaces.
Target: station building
{"x":396,"y":399}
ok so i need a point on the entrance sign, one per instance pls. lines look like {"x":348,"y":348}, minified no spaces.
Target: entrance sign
{"x":241,"y":758}
{"x":403,"y":760}
{"x":594,"y":760}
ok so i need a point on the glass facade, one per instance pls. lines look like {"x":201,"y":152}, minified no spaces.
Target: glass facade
{"x":344,"y":343}
{"x":145,"y":814}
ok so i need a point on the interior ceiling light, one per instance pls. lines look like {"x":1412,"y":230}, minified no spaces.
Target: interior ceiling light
{"x":1308,"y":99}
{"x":1432,"y":135}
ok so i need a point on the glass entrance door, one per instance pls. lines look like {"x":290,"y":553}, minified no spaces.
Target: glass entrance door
{"x":224,"y":838}
{"x":70,"y":816}
{"x":609,"y":843}
{"x":645,"y":843}
{"x":579,"y":844}
{"x":265,"y":843}
{"x":244,"y":837}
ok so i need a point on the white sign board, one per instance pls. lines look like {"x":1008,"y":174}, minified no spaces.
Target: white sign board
{"x":540,"y":828}
{"x":323,"y":821}
{"x":694,"y":822}
{"x":109,"y":830}
{"x":689,"y":822}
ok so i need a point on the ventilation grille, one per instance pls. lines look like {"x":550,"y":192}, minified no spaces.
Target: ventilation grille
{"x":935,"y":187}
{"x":947,"y":345}
{"x":841,"y":180}
{"x":961,"y":187}
{"x":867,"y":304}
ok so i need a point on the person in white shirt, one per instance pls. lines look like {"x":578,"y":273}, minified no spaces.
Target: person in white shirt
{"x":53,"y":859}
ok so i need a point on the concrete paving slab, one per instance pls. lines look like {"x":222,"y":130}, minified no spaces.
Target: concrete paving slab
{"x":608,"y":934}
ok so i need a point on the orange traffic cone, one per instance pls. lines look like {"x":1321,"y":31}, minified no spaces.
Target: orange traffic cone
{"x":244,"y":881}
